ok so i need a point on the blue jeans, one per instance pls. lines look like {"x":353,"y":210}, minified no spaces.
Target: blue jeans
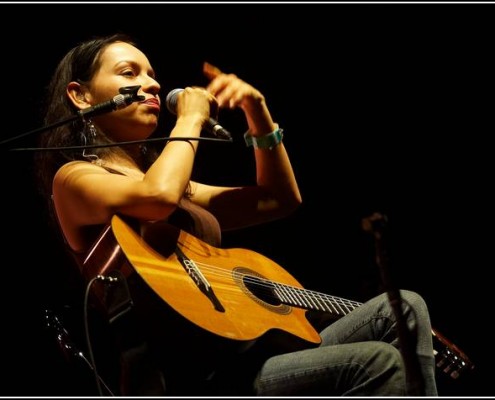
{"x":359,"y":355}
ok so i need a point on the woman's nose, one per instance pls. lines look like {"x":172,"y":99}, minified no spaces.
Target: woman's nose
{"x":151,"y":85}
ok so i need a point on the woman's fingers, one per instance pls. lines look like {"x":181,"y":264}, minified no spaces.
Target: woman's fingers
{"x":210,"y":71}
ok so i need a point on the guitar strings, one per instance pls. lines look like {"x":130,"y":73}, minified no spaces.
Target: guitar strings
{"x":287,"y":294}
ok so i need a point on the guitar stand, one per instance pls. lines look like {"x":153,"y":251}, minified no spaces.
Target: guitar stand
{"x":67,"y":346}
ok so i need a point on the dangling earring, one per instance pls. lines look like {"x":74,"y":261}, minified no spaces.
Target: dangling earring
{"x":88,"y":136}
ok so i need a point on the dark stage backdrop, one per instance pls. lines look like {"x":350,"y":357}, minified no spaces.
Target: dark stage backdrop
{"x":386,"y":108}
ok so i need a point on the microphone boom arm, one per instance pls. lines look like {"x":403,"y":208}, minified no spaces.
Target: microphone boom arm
{"x":127,"y":95}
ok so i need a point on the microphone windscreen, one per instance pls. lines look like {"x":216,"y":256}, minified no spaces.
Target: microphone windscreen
{"x":171,"y":100}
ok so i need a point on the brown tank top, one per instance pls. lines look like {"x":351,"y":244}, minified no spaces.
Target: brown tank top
{"x":188,"y":216}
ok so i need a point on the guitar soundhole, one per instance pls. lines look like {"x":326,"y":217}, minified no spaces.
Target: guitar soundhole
{"x":259,"y":289}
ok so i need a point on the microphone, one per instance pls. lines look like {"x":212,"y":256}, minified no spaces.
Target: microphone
{"x":127,"y":95}
{"x":212,"y":126}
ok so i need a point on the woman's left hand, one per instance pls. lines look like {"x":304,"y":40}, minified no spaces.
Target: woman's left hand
{"x":231,"y":91}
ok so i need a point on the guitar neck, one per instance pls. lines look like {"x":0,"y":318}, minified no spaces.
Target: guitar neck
{"x":314,"y":301}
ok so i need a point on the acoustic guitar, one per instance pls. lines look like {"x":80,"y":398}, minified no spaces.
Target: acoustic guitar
{"x":234,"y":293}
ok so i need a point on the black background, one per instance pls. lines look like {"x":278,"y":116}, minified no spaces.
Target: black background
{"x":386,"y":108}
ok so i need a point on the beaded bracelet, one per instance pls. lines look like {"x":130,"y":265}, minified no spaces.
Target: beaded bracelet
{"x":268,"y":141}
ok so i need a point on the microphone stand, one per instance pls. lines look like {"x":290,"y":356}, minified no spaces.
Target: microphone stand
{"x":376,"y":224}
{"x":129,"y":94}
{"x":42,"y":129}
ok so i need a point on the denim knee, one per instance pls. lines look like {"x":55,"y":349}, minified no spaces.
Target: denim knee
{"x":382,"y":371}
{"x":415,"y":301}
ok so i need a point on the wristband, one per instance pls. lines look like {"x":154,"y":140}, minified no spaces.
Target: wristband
{"x":268,"y":141}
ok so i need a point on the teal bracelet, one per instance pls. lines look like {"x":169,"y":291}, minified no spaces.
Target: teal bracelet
{"x":268,"y":141}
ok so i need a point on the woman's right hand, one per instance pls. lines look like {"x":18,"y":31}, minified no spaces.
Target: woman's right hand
{"x":196,"y":103}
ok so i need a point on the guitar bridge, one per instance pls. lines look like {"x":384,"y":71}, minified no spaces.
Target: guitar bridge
{"x":199,"y":279}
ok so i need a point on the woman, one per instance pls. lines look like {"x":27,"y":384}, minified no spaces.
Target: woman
{"x":85,"y":188}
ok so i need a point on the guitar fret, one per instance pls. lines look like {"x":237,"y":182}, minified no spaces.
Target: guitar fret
{"x":349,"y":307}
{"x":322,"y":305}
{"x":340,"y":307}
{"x":297,"y":293}
{"x":289,"y":294}
{"x":314,"y":304}
{"x":281,"y":294}
{"x":330,"y":306}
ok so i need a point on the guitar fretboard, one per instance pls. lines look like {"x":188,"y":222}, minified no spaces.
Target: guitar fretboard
{"x":311,"y":300}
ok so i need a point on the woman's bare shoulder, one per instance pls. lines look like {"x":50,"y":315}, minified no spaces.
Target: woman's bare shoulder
{"x":77,"y":166}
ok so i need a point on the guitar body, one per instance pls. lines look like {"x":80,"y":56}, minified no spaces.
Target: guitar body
{"x":224,"y":270}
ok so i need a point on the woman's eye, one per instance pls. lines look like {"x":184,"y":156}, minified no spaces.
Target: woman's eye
{"x":128,"y":73}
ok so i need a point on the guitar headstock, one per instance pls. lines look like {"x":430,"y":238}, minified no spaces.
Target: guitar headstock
{"x":448,"y":357}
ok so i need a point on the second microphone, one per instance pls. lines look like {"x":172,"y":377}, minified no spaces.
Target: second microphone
{"x":212,"y":126}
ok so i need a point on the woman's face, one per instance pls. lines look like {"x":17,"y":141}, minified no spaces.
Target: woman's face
{"x":122,"y":64}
